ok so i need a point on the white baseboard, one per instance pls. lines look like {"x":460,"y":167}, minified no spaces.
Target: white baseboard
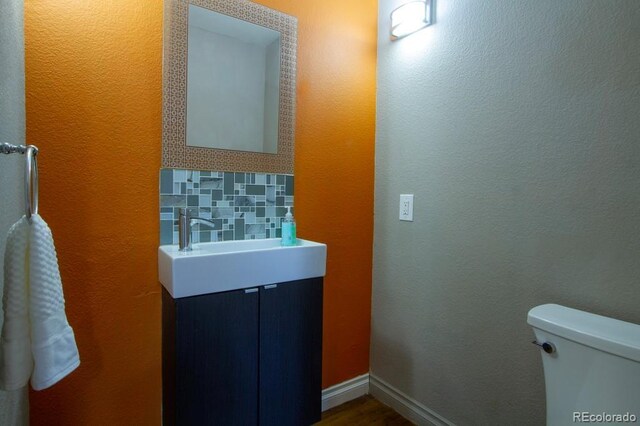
{"x":345,"y":392}
{"x":403,"y":404}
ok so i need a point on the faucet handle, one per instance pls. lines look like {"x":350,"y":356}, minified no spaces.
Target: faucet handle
{"x":203,"y":219}
{"x":188,"y":213}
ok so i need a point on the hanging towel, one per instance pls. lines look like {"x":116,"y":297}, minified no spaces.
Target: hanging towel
{"x":37,"y":340}
{"x":15,"y":345}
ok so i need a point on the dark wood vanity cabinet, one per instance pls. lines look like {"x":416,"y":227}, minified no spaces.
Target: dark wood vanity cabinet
{"x":243,"y":357}
{"x":290,"y":361}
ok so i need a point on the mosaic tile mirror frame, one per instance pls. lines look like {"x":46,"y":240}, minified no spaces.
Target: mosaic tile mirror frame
{"x":175,"y":152}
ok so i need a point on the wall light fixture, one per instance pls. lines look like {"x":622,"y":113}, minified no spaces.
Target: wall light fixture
{"x":410,"y":17}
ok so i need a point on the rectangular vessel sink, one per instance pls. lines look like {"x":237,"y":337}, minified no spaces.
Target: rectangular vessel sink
{"x":232,"y":265}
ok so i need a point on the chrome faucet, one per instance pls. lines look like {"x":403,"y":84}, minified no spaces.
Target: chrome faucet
{"x":184,"y":228}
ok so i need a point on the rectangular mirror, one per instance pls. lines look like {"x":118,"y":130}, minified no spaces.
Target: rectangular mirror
{"x":233,"y":83}
{"x":228,"y":86}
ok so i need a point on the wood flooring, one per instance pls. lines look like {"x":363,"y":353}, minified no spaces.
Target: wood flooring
{"x":362,"y":411}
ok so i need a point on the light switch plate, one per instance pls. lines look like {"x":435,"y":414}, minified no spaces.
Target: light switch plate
{"x":406,"y":207}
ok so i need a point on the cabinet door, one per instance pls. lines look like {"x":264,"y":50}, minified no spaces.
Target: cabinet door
{"x":217,"y":359}
{"x":291,"y":353}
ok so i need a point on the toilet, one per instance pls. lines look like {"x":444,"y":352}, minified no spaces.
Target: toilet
{"x":591,"y":366}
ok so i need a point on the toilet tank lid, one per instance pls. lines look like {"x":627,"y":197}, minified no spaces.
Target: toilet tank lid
{"x":606,"y":334}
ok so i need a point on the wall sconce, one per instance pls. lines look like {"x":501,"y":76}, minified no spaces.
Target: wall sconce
{"x":410,"y":17}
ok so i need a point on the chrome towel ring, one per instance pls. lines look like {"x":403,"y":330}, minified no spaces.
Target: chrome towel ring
{"x":30,"y":174}
{"x":31,"y":181}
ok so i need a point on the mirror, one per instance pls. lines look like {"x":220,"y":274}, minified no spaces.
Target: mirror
{"x":233,"y":83}
{"x":228,"y":86}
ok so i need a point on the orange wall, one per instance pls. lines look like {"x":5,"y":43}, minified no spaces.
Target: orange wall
{"x":93,"y":77}
{"x":93,"y":85}
{"x":334,"y":165}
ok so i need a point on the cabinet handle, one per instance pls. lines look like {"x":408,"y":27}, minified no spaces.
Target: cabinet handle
{"x":250,"y":290}
{"x":270,"y":286}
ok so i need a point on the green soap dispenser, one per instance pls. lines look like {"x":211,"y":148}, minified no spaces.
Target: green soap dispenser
{"x":289,"y":229}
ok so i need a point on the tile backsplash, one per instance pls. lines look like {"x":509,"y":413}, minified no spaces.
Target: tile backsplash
{"x":242,"y":205}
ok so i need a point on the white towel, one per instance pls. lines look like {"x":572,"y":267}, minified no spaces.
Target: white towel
{"x":37,"y":340}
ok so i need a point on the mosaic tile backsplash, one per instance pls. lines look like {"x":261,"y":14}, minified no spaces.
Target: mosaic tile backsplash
{"x":243,"y":205}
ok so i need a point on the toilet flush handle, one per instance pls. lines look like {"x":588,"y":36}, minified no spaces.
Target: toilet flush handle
{"x":546,"y":346}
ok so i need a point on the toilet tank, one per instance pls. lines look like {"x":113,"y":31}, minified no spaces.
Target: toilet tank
{"x":593,"y":375}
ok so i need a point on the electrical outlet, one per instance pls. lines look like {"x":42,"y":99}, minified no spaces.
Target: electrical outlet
{"x":406,"y":207}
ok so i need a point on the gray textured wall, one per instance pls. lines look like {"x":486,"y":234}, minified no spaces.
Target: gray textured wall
{"x":13,"y":405}
{"x":516,"y":124}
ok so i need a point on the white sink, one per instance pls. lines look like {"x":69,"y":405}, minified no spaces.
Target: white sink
{"x":232,"y":265}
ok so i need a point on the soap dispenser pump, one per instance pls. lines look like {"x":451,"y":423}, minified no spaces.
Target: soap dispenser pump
{"x":288,"y":229}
